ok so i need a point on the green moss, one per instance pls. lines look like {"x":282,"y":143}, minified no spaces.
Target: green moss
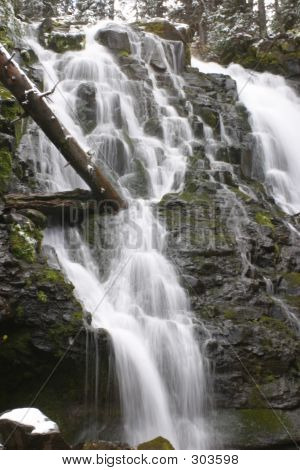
{"x":154,"y":27}
{"x":210,"y":117}
{"x":53,"y":275}
{"x":42,"y":297}
{"x":159,"y":443}
{"x":60,"y":334}
{"x":60,"y":42}
{"x":78,"y":316}
{"x":264,"y":219}
{"x":277,"y":249}
{"x":23,"y":242}
{"x":5,"y":39}
{"x":263,"y":420}
{"x":276,"y":325}
{"x":229,"y":314}
{"x":5,"y":169}
{"x":293,"y":279}
{"x":20,"y":311}
{"x":294,"y":301}
{"x":123,"y":53}
{"x":10,"y":109}
{"x":240,"y":194}
{"x":5,"y":94}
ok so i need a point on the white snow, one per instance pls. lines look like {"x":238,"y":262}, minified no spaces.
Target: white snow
{"x":31,"y":417}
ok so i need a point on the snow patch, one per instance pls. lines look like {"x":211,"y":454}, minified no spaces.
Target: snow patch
{"x":31,"y":417}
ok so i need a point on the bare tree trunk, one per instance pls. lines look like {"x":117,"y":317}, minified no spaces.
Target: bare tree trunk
{"x":63,"y":206}
{"x":35,"y":105}
{"x":262,"y":18}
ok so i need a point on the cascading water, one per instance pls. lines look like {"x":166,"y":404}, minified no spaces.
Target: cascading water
{"x":140,"y":302}
{"x":275,"y":115}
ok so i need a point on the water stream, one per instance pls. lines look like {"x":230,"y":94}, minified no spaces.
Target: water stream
{"x":275,"y":115}
{"x":139,"y":299}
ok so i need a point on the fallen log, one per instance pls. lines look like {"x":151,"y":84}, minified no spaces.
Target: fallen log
{"x":35,"y":105}
{"x":66,"y":206}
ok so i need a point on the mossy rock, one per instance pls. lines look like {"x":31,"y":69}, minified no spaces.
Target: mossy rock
{"x":42,"y":297}
{"x":62,"y":42}
{"x":159,"y":443}
{"x":209,"y":116}
{"x":25,"y":241}
{"x":293,"y":279}
{"x":263,"y":218}
{"x":262,"y":420}
{"x":5,"y":169}
{"x":5,"y":38}
{"x":163,"y":29}
{"x":258,"y":428}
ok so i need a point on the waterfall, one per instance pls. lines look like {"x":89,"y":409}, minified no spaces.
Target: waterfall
{"x":138,"y":300}
{"x":274,"y":108}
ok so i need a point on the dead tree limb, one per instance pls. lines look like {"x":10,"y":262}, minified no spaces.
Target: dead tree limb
{"x":61,"y":206}
{"x":35,"y":105}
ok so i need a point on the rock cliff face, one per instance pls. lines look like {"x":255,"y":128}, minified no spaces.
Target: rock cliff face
{"x":231,"y":244}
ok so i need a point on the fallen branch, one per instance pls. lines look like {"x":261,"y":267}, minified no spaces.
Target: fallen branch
{"x":36,"y":106}
{"x":63,"y":206}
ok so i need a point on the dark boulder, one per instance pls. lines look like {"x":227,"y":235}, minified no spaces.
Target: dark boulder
{"x":114,"y":37}
{"x":154,"y":128}
{"x":86,"y":106}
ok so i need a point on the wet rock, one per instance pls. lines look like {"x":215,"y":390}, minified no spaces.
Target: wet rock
{"x":161,"y":28}
{"x":114,"y":37}
{"x":65,"y":41}
{"x":157,"y":62}
{"x":154,"y":128}
{"x":209,"y":116}
{"x":59,"y":38}
{"x":137,"y":179}
{"x":168,"y":31}
{"x":135,"y":71}
{"x":259,"y":428}
{"x":198,"y":128}
{"x":86,"y":106}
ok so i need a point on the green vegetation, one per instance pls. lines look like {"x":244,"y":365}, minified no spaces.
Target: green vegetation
{"x":61,"y":42}
{"x":230,"y":314}
{"x":23,"y":242}
{"x":42,"y":297}
{"x":276,"y":325}
{"x":264,"y":219}
{"x":262,"y":420}
{"x":123,"y":53}
{"x":5,"y":169}
{"x":5,"y":39}
{"x":293,"y":279}
{"x":52,"y":275}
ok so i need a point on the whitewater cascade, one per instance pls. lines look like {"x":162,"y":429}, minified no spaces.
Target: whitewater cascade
{"x":139,"y":301}
{"x":274,"y":111}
